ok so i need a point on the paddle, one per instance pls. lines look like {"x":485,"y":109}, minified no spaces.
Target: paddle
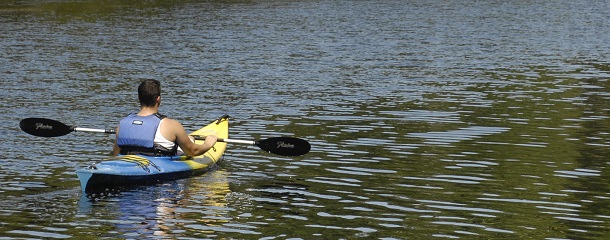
{"x":43,"y":127}
{"x":285,"y":146}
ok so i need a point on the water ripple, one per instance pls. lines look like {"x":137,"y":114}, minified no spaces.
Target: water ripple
{"x":45,"y":234}
{"x":399,"y":208}
{"x":578,"y":173}
{"x":463,"y":134}
{"x":226,"y":229}
{"x":336,"y":181}
{"x":291,"y":192}
{"x":451,"y":179}
{"x":530,"y":201}
{"x":461,"y":224}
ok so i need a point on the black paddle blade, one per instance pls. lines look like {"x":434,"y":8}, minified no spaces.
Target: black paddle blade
{"x":285,"y":146}
{"x":43,"y":127}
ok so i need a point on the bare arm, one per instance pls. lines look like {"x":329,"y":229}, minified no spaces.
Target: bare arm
{"x":115,"y":149}
{"x":183,"y":140}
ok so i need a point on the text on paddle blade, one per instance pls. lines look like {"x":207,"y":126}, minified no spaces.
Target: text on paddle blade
{"x":43,"y":126}
{"x":284,"y":145}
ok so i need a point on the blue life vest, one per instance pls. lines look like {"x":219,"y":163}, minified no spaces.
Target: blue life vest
{"x":137,"y":135}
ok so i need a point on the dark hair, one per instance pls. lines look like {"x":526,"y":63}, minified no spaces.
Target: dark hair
{"x":148,"y":91}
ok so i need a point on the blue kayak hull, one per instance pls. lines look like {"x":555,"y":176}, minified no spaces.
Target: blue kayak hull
{"x":124,"y":171}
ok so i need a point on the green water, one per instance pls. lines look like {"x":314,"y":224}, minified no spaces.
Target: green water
{"x":468,"y":120}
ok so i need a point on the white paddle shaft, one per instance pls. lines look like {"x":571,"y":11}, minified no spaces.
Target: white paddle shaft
{"x":79,"y":129}
{"x":236,"y":141}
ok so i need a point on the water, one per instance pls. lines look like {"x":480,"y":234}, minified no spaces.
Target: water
{"x":459,"y":119}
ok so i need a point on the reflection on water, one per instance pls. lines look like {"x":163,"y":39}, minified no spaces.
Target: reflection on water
{"x":427,"y":119}
{"x":159,"y":210}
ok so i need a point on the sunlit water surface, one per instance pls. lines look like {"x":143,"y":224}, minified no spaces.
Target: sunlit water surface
{"x":427,"y":119}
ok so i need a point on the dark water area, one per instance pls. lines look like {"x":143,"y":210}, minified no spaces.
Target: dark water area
{"x":427,"y":119}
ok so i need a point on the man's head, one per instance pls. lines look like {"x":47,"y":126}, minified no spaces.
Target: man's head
{"x":148,"y":92}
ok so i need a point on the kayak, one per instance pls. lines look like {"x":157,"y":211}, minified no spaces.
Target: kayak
{"x":129,"y":170}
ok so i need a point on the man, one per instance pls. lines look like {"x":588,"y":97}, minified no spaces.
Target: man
{"x":150,"y":133}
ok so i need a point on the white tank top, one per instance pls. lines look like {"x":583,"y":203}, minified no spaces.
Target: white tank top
{"x":160,"y":140}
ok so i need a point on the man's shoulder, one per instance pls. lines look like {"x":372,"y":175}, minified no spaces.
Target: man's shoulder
{"x":170,"y":122}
